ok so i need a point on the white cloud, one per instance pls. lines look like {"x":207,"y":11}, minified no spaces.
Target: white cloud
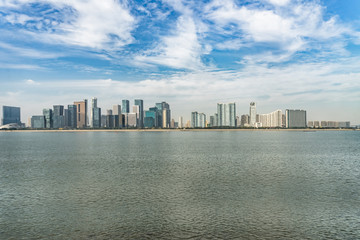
{"x":294,"y":27}
{"x":105,"y":24}
{"x":181,"y":49}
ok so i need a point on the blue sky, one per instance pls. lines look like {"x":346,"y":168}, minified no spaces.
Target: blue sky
{"x":191,"y":53}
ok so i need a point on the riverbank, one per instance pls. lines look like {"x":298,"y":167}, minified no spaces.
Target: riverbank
{"x":176,"y":130}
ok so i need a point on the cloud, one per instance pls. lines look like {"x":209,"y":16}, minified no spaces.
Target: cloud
{"x":180,"y":49}
{"x":295,"y":26}
{"x":31,"y":82}
{"x":96,"y":24}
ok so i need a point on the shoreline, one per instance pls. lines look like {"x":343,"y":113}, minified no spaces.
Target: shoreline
{"x":176,"y":130}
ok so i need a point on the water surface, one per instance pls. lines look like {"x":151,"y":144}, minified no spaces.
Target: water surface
{"x":180,"y":185}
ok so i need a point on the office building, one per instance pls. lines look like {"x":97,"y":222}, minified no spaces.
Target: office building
{"x":252,"y":114}
{"x":118,"y":117}
{"x":140,"y":104}
{"x":245,"y":120}
{"x":164,"y":114}
{"x":181,"y":122}
{"x":125,"y":106}
{"x":81,"y":116}
{"x":72,"y":116}
{"x":47,"y":113}
{"x":38,"y":121}
{"x":295,"y":118}
{"x":226,"y":114}
{"x":95,"y":114}
{"x":10,"y":115}
{"x":110,"y":123}
{"x":151,"y":118}
{"x":130,"y":120}
{"x":58,"y":116}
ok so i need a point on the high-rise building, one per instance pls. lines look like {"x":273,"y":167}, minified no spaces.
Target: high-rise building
{"x":164,"y":115}
{"x":58,"y":117}
{"x":245,"y":120}
{"x":226,"y":114}
{"x":72,"y":116}
{"x":130,"y":120}
{"x":118,"y":117}
{"x":295,"y":118}
{"x":125,"y":106}
{"x":38,"y":121}
{"x":110,"y":123}
{"x":10,"y":115}
{"x":271,"y":120}
{"x":95,"y":114}
{"x":198,"y":120}
{"x":151,"y":118}
{"x":47,"y":112}
{"x":81,"y":116}
{"x":181,"y":122}
{"x":140,"y":103}
{"x":252,"y":114}
{"x":81,"y":107}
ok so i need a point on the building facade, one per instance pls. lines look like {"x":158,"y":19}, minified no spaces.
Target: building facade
{"x":125,"y":106}
{"x":226,"y":115}
{"x":252,"y":114}
{"x":140,"y":103}
{"x":295,"y":118}
{"x":81,"y":115}
{"x":10,"y":115}
{"x":38,"y":121}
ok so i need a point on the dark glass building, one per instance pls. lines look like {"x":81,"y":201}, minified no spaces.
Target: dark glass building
{"x":38,"y":121}
{"x":71,"y":116}
{"x":140,"y":103}
{"x":47,"y":113}
{"x":125,"y":108}
{"x":10,"y":115}
{"x":58,"y":116}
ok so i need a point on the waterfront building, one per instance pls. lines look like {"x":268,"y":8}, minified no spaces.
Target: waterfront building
{"x":110,"y":123}
{"x":95,"y":114}
{"x":125,"y":106}
{"x":38,"y":121}
{"x":103,"y":121}
{"x":212,"y":121}
{"x":187,"y":125}
{"x":72,"y":113}
{"x":252,"y":114}
{"x":10,"y":115}
{"x":118,"y":117}
{"x":130,"y":120}
{"x":81,"y":116}
{"x":172,"y":123}
{"x":164,"y":116}
{"x":226,"y":114}
{"x":245,"y":120}
{"x":58,"y":117}
{"x":198,"y":120}
{"x":47,"y":113}
{"x":140,"y":104}
{"x":181,"y":122}
{"x":329,"y":124}
{"x":271,"y":120}
{"x":151,"y":118}
{"x":295,"y":118}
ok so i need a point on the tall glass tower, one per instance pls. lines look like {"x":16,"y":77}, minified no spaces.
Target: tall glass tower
{"x":10,"y":115}
{"x":140,"y":103}
{"x":252,"y":114}
{"x":125,"y":108}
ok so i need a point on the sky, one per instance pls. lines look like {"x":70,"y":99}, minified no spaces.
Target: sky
{"x":281,"y":54}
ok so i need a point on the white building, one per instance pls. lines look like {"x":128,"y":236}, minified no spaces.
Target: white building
{"x":273,"y":119}
{"x":226,"y":114}
{"x":252,"y":114}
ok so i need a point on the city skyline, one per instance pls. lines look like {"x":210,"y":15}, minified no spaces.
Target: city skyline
{"x":193,"y":54}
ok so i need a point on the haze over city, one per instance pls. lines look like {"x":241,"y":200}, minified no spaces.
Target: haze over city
{"x":192,"y":54}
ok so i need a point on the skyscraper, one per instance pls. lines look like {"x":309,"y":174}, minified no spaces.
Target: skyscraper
{"x":226,"y":114}
{"x":140,"y":103}
{"x":38,"y":121}
{"x":295,"y":118}
{"x":118,"y":119}
{"x":125,"y":106}
{"x":58,"y":117}
{"x":95,"y":114}
{"x":47,"y":112}
{"x":252,"y":114}
{"x":273,"y":119}
{"x":10,"y":115}
{"x":164,"y":115}
{"x":72,"y":116}
{"x":81,"y":107}
{"x":181,"y":122}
